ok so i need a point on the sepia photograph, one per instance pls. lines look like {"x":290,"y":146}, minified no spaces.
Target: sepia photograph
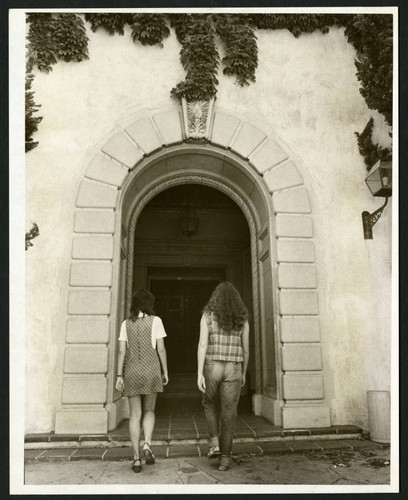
{"x":208,"y":291}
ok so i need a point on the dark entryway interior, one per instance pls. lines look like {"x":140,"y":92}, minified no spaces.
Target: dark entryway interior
{"x":180,"y":299}
{"x":182,"y":270}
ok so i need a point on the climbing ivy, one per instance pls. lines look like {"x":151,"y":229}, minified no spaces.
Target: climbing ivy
{"x":371,"y":152}
{"x":199,"y":57}
{"x":30,"y":235}
{"x":238,"y":35}
{"x":31,"y":121}
{"x":372,"y":38}
{"x":54,"y":37}
{"x":149,"y":29}
{"x":112,"y":23}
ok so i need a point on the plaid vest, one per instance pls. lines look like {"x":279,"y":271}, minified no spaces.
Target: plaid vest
{"x":223,"y":346}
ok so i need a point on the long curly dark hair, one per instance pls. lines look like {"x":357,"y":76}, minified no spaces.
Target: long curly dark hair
{"x":227,"y":306}
{"x":142,"y":301}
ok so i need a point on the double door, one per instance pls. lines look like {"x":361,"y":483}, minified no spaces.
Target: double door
{"x":179,"y":303}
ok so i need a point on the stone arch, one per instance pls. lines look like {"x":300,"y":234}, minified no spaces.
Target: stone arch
{"x":284,"y":253}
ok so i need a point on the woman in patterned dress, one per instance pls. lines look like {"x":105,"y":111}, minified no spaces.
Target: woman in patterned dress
{"x":223,"y":353}
{"x":142,"y":370}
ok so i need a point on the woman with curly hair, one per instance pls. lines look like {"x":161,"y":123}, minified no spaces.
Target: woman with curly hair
{"x":142,"y":370}
{"x":222,"y":355}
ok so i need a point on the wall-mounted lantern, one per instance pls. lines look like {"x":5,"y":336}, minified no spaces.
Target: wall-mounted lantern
{"x":189,"y":223}
{"x":379,"y":182}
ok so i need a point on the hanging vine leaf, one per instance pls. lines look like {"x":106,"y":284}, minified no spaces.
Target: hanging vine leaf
{"x":372,"y":37}
{"x":371,"y":152}
{"x":199,"y":57}
{"x":149,"y":29}
{"x":33,"y":233}
{"x":238,"y":34}
{"x":41,"y":50}
{"x":54,"y":37}
{"x":31,"y":121}
{"x":112,"y":23}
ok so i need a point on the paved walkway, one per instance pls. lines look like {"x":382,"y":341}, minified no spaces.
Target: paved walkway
{"x":320,"y":467}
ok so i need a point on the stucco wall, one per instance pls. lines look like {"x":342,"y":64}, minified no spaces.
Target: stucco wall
{"x":307,"y":94}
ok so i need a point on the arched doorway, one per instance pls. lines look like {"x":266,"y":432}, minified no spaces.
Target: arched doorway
{"x":203,"y":167}
{"x":149,"y":155}
{"x":187,"y":239}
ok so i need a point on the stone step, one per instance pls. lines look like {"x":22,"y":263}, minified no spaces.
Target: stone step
{"x":163,"y":451}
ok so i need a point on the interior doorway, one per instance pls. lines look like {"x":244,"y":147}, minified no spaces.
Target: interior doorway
{"x":180,"y":299}
{"x":182,"y":271}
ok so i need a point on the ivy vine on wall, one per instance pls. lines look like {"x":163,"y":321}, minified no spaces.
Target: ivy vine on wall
{"x":54,"y":37}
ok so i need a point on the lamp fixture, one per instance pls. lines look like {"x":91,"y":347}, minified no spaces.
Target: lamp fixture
{"x":379,"y":182}
{"x":189,"y":223}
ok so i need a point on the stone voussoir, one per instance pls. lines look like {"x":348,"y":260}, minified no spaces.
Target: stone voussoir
{"x":144,"y":135}
{"x":248,"y":138}
{"x":268,"y":155}
{"x":95,"y":195}
{"x":121,"y":148}
{"x":169,"y":125}
{"x":283,"y":176}
{"x":103,"y":169}
{"x":224,"y":128}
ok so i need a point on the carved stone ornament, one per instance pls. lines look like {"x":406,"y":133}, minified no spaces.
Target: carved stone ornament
{"x":197,"y":118}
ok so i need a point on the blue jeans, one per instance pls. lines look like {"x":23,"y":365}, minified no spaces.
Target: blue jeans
{"x":223,"y":386}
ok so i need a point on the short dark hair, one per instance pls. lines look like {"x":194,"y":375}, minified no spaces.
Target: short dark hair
{"x":142,"y":301}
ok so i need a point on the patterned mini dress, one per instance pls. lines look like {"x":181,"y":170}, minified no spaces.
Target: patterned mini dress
{"x":142,"y":372}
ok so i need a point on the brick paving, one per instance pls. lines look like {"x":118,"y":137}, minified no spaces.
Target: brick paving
{"x":185,"y":435}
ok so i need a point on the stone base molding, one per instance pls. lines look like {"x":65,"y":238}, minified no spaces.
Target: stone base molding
{"x":267,"y":407}
{"x":243,"y":158}
{"x":81,"y":421}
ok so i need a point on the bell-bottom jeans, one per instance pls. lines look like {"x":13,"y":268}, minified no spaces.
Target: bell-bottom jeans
{"x":223,"y":387}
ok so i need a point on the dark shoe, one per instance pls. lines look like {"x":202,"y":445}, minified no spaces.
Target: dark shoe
{"x":148,"y":455}
{"x":137,"y":465}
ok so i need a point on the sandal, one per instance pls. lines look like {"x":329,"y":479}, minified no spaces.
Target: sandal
{"x":137,"y":465}
{"x":223,"y":463}
{"x":148,"y":454}
{"x":214,"y":452}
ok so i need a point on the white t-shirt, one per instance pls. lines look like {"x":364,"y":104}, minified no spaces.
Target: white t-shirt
{"x":158,"y":331}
